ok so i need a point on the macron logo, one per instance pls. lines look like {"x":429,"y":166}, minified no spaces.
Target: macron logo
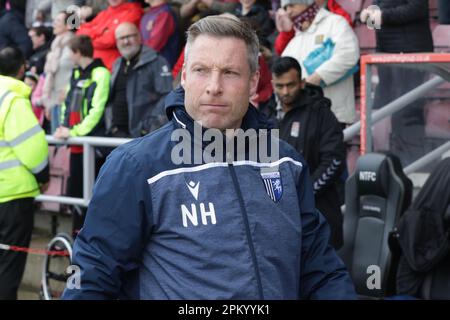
{"x":193,"y":188}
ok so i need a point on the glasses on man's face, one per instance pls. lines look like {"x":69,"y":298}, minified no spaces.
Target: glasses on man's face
{"x":127,"y":37}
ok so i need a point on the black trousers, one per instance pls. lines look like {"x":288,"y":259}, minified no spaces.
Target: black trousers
{"x":16,"y":227}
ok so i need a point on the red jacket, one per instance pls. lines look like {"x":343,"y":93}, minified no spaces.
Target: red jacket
{"x":102,"y":29}
{"x":265,"y":88}
{"x":283,"y":38}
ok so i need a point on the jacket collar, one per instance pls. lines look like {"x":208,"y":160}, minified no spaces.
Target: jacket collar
{"x":145,"y":56}
{"x":84,"y":73}
{"x":16,"y":86}
{"x":177,"y":113}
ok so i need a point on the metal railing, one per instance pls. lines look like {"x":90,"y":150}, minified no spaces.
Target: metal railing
{"x":89,"y":144}
{"x":396,"y":105}
{"x":370,"y":117}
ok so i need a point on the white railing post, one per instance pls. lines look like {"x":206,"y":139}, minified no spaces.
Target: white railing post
{"x":89,"y":144}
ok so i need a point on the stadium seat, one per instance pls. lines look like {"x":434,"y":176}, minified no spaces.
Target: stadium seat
{"x":59,"y":159}
{"x":367,"y":3}
{"x":376,"y":195}
{"x":366,"y":38}
{"x":441,"y":38}
{"x":351,"y":6}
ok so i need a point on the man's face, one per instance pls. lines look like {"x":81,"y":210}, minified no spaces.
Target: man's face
{"x":294,"y":10}
{"x":128,"y":41}
{"x":287,"y":87}
{"x":38,"y":41}
{"x":115,"y":3}
{"x":217,"y":81}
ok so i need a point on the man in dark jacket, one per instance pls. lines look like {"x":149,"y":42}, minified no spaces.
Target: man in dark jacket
{"x":404,"y":28}
{"x":222,"y":229}
{"x":308,"y":124}
{"x":12,"y":30}
{"x":41,"y":45}
{"x":140,"y":81}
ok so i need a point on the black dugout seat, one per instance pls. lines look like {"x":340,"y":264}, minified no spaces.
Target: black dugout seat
{"x":376,"y":195}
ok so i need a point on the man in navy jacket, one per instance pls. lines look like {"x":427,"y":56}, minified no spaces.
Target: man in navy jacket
{"x":234,"y":227}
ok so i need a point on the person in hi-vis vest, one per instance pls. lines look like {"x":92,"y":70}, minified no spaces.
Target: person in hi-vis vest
{"x":24,"y":170}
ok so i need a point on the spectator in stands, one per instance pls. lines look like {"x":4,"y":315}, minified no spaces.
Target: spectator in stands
{"x":82,"y":112}
{"x":31,"y":79}
{"x":49,"y":9}
{"x":306,"y":122}
{"x":264,"y":89}
{"x":404,"y":28}
{"x":41,"y":13}
{"x":255,"y":11}
{"x":24,"y":169}
{"x":40,"y":37}
{"x":102,"y":28}
{"x":58,"y":68}
{"x":31,"y":12}
{"x":139,"y":83}
{"x":38,"y":106}
{"x":203,"y":8}
{"x":285,"y":25}
{"x":12,"y":28}
{"x":91,"y":8}
{"x":315,"y":28}
{"x":159,"y":30}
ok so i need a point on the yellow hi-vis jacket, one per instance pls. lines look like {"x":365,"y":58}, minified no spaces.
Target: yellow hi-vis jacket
{"x":23,"y":148}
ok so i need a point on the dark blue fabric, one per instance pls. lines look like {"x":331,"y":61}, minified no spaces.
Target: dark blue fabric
{"x":136,"y":245}
{"x":13,"y":32}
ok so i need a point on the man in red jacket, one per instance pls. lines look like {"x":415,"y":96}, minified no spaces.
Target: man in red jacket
{"x":102,"y":28}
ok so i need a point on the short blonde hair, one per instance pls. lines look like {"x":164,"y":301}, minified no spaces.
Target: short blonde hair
{"x":225,"y":26}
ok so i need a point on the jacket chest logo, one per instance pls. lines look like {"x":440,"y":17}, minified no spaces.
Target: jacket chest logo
{"x":190,"y":214}
{"x":319,"y":39}
{"x":295,"y":129}
{"x":273,"y":185}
